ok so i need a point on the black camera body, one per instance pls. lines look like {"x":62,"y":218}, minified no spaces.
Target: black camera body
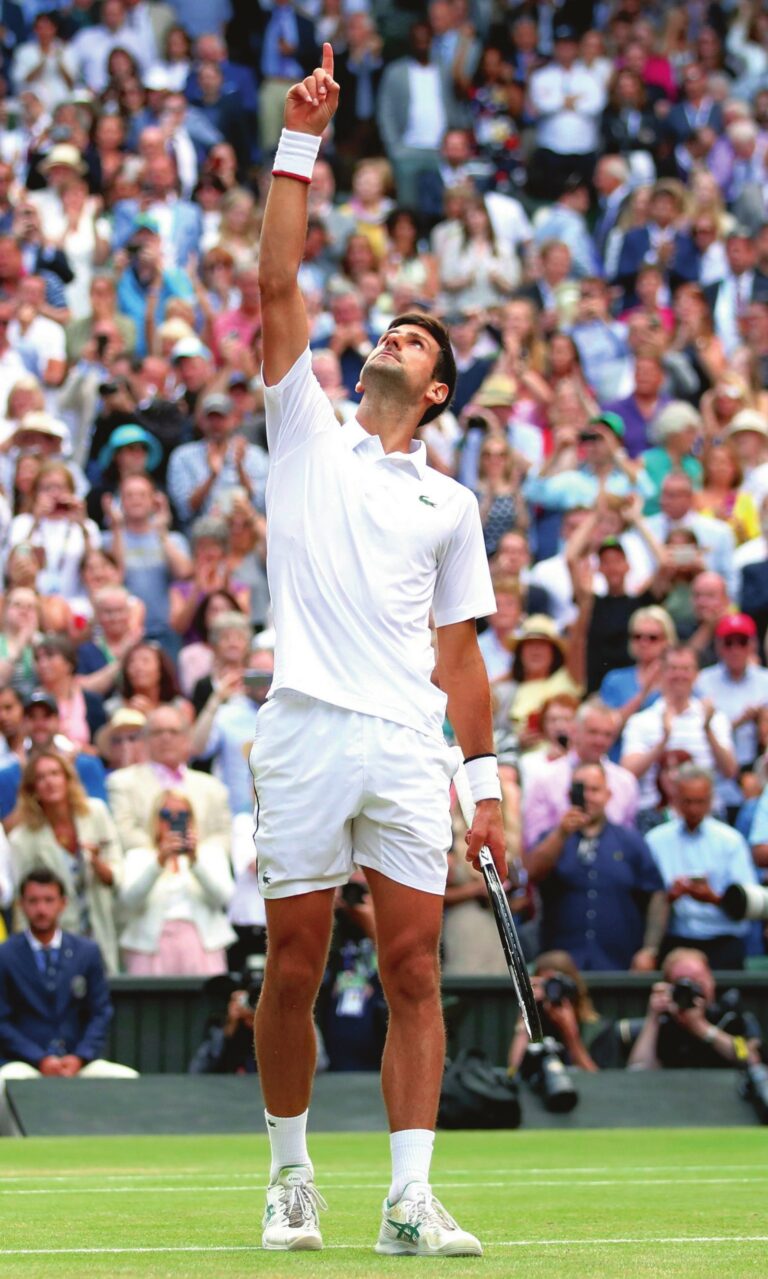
{"x":558,"y":988}
{"x":685,"y":992}
{"x":543,"y":1069}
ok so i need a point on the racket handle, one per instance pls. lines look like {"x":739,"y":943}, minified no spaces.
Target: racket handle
{"x":485,"y":857}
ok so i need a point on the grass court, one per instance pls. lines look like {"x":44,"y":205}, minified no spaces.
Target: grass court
{"x":661,"y":1203}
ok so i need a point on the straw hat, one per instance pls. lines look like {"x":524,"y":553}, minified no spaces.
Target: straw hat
{"x":538,"y":626}
{"x":125,"y":717}
{"x":66,"y":155}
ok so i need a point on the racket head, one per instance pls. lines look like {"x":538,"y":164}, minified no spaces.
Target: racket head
{"x":511,"y":947}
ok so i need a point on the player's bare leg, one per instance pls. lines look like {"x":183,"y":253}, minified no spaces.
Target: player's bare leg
{"x":299,"y":931}
{"x":408,"y":924}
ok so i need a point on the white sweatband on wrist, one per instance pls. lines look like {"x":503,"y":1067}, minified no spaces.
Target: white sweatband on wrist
{"x":295,"y":156}
{"x":483,"y":777}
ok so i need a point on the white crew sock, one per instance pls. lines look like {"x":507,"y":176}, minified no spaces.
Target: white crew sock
{"x":287,"y":1142}
{"x":411,"y":1156}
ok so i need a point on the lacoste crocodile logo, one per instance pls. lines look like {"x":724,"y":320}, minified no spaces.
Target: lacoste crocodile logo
{"x":426,"y":500}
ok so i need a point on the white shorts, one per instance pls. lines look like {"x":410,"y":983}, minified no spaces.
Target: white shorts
{"x":335,"y":788}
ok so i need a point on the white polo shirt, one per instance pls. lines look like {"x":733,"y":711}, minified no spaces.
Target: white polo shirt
{"x":361,"y":545}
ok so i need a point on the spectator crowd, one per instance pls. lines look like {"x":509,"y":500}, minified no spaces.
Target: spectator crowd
{"x":580,"y":192}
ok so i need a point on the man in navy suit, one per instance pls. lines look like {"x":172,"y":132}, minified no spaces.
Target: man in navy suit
{"x":55,"y":1007}
{"x":697,"y":110}
{"x":660,"y":242}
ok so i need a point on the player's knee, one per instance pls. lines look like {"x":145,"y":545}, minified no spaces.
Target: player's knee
{"x":411,"y":975}
{"x":293,"y":976}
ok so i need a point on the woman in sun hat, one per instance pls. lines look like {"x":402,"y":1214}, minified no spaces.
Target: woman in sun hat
{"x":544,"y":664}
{"x":130,"y":450}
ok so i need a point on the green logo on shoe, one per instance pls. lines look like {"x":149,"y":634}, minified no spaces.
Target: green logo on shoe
{"x":405,"y":1230}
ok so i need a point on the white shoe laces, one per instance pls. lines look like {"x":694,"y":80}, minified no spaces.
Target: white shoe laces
{"x":428,"y":1210}
{"x":301,"y":1204}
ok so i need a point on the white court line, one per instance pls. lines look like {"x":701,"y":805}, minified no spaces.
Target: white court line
{"x":258,"y":1181}
{"x":373,"y":1185}
{"x":337,"y":1247}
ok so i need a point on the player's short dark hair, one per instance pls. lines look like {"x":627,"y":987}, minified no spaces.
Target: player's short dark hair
{"x":445,"y":365}
{"x":42,"y":875}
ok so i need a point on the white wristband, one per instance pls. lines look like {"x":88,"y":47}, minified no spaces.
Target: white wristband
{"x":483,"y":777}
{"x":295,"y":156}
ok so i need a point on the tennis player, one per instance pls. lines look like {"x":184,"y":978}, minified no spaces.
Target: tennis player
{"x":349,"y":761}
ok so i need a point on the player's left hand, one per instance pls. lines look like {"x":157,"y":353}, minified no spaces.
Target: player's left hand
{"x":488,"y":829}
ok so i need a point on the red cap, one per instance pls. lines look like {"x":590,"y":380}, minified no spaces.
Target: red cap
{"x":735,"y":624}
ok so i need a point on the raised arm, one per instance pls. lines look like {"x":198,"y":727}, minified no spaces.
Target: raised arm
{"x":309,"y":108}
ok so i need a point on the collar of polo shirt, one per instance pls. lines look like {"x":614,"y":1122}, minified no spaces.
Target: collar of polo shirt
{"x":355,"y":436}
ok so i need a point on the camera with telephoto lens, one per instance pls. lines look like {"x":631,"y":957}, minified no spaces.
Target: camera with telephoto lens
{"x":685,"y":992}
{"x":558,"y":988}
{"x":543,"y":1069}
{"x":745,"y":901}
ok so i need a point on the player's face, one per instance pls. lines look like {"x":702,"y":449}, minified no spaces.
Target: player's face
{"x":404,"y":356}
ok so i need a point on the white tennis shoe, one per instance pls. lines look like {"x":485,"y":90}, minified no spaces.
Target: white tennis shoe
{"x":418,"y":1226}
{"x":291,"y":1216}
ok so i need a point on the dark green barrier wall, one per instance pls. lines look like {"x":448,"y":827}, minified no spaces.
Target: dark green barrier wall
{"x":158,"y":1024}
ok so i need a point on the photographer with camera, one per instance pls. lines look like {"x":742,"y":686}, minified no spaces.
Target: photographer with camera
{"x":686,"y":1027}
{"x":174,"y":898}
{"x":575,"y":1035}
{"x":227,"y":1048}
{"x":145,"y":286}
{"x":698,"y":857}
{"x":602,"y":895}
{"x":566,"y":1011}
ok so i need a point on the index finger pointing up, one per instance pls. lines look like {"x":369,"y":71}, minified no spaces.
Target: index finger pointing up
{"x":328,"y":59}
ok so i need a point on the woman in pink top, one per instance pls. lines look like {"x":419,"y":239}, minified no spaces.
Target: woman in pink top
{"x":80,"y":713}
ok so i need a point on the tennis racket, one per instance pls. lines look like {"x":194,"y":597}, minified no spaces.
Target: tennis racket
{"x":504,"y":921}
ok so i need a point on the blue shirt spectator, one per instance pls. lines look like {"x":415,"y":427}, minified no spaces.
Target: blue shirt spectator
{"x":697,"y":863}
{"x":596,"y":881}
{"x":200,"y":474}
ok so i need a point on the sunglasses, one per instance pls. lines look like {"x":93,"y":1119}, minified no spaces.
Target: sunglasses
{"x":644,"y":635}
{"x":736,"y":641}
